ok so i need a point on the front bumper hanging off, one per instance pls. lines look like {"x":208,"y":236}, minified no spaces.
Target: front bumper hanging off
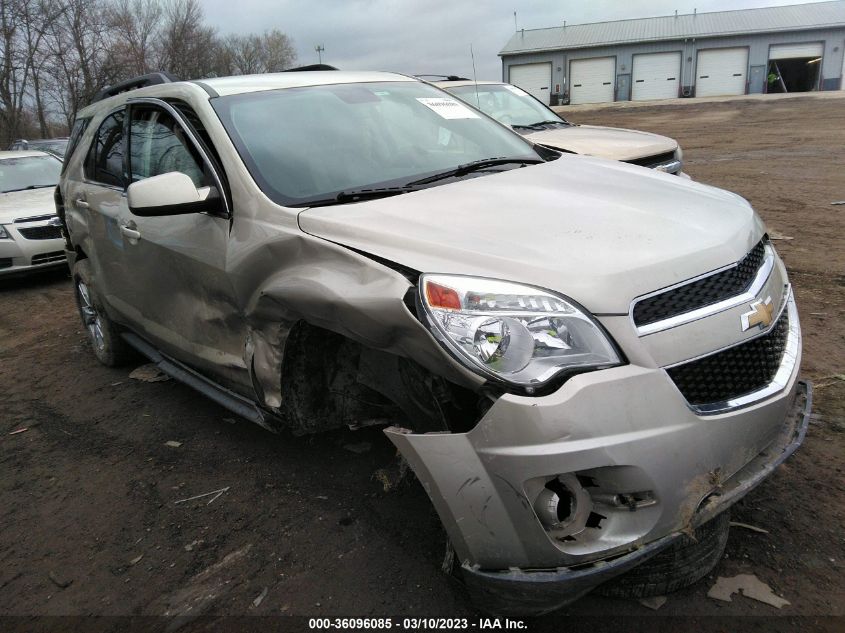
{"x":525,"y":588}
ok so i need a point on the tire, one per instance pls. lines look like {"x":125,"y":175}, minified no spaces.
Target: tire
{"x":680,"y":565}
{"x":103,"y":334}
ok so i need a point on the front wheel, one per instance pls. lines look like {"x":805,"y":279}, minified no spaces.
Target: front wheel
{"x":680,"y":565}
{"x":109,"y":348}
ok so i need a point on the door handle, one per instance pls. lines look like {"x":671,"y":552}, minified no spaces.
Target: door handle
{"x":130,"y":230}
{"x":81,"y":203}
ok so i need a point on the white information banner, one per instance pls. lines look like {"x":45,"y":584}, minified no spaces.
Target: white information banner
{"x":448,"y":108}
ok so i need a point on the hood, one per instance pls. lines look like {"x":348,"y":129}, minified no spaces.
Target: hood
{"x":23,"y":204}
{"x":597,"y":231}
{"x":605,"y":142}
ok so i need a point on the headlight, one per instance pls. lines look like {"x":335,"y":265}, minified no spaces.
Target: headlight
{"x":518,"y":334}
{"x":3,"y":234}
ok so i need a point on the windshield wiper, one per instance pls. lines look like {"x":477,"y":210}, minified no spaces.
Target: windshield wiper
{"x":476,"y":165}
{"x":354,"y":195}
{"x":540,"y":124}
{"x":27,"y":188}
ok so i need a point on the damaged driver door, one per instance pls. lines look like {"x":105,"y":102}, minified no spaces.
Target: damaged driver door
{"x":178,"y":257}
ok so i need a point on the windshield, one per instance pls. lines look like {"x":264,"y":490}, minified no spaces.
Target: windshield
{"x":507,"y":104}
{"x":306,"y":144}
{"x":28,"y":172}
{"x":55,"y":146}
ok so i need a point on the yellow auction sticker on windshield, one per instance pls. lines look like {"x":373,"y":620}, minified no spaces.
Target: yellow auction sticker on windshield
{"x":448,"y":108}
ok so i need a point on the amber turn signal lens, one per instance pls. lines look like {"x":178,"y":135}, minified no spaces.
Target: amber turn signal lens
{"x":442,"y":297}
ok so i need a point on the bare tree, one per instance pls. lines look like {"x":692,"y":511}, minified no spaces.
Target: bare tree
{"x":135,"y":28}
{"x":278,"y":51}
{"x":17,"y":38}
{"x":12,"y":82}
{"x":188,"y":46}
{"x":56,"y":54}
{"x":82,"y":61}
{"x":271,"y":51}
{"x":38,"y":19}
{"x":240,"y":55}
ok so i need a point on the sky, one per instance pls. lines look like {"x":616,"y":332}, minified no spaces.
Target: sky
{"x":430,"y":36}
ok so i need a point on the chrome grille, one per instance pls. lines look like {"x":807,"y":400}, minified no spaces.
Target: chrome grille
{"x":35,"y":218}
{"x":49,"y":258}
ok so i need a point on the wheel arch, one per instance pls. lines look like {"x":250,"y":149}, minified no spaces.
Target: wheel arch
{"x":323,"y":326}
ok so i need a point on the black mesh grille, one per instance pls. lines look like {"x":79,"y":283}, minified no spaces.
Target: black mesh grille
{"x":703,"y":292}
{"x":5,"y":262}
{"x":650,"y":161}
{"x":41,"y":232}
{"x":736,"y":371}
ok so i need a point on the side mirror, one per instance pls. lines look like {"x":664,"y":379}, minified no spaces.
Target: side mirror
{"x":173,"y":193}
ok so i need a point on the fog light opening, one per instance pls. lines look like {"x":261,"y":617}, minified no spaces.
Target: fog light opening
{"x":559,"y":506}
{"x":562,"y":505}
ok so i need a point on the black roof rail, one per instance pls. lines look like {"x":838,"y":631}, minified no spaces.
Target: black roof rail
{"x":150,"y":79}
{"x":446,"y":77}
{"x":310,"y":67}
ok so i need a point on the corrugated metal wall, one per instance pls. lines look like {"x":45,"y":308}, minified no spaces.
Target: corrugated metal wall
{"x":758,"y":45}
{"x":812,"y":15}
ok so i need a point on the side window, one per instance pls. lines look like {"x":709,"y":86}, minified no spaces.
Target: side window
{"x":105,"y":158}
{"x":79,"y":127}
{"x":159,"y":145}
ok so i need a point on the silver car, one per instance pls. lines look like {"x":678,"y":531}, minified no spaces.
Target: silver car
{"x":513,"y":106}
{"x":55,"y":146}
{"x":583,"y":361}
{"x":30,"y":233}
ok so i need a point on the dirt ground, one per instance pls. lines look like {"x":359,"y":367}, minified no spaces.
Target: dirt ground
{"x":90,"y":518}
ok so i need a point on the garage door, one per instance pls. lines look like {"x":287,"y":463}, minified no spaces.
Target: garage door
{"x":535,"y":79}
{"x":793,"y":51}
{"x":721,"y":71}
{"x":656,"y":76}
{"x":591,"y":80}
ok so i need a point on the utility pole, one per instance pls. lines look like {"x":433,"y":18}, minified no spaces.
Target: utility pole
{"x":320,"y":48}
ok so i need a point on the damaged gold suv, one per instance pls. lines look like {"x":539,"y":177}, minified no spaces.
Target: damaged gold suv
{"x":581,"y":360}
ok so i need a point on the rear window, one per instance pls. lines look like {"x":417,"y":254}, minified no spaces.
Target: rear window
{"x":79,"y":127}
{"x":105,"y":157}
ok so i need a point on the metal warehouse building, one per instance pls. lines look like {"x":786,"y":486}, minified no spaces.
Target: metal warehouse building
{"x":794,"y":48}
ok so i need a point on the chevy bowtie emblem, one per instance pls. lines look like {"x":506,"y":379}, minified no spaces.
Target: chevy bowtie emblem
{"x":760,"y":315}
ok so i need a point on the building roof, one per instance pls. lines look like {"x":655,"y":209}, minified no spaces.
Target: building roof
{"x":787,"y":18}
